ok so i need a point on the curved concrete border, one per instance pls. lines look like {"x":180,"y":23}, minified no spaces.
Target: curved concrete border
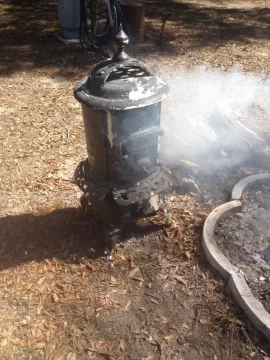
{"x":214,"y":255}
{"x":238,"y":189}
{"x":236,"y":281}
{"x":252,"y":307}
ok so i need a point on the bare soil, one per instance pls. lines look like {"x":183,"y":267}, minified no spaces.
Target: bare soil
{"x":58,"y":299}
{"x":245,"y":239}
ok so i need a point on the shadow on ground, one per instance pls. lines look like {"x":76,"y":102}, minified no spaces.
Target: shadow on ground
{"x":27,"y":39}
{"x":214,"y":25}
{"x":63,"y":234}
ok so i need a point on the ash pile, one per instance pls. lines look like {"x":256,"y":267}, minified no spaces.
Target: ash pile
{"x":245,"y":240}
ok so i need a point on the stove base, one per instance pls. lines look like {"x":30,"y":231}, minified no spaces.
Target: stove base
{"x":116,"y":206}
{"x":117,"y":203}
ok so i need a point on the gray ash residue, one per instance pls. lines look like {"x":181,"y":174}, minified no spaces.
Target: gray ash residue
{"x":245,"y":240}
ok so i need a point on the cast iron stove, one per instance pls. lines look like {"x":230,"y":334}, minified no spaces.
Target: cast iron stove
{"x":122,"y":178}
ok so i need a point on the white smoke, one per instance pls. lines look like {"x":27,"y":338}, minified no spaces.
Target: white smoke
{"x":211,"y":112}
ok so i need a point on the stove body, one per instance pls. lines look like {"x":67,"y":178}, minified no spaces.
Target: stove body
{"x":122,"y":177}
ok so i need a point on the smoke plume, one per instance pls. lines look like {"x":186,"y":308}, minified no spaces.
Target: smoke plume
{"x":211,"y":114}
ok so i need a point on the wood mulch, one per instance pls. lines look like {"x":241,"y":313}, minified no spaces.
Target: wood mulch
{"x":58,"y":299}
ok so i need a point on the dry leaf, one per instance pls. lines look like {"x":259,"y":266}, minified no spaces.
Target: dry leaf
{"x":16,"y":341}
{"x":154,"y":301}
{"x":41,"y":280}
{"x":39,"y":309}
{"x":126,"y":307}
{"x":115,"y":302}
{"x":122,"y":345}
{"x":55,"y":297}
{"x":163,"y":320}
{"x":114,"y":282}
{"x":137,"y":278}
{"x":40,"y":345}
{"x":133,"y":272}
{"x":121,"y":357}
{"x":60,"y":286}
{"x":202,"y":214}
{"x":170,"y":337}
{"x":89,"y":312}
{"x":48,"y":335}
{"x":3,"y":343}
{"x":176,"y":233}
{"x":185,"y":326}
{"x":104,"y":354}
{"x":187,"y":253}
{"x":71,"y":356}
{"x":180,"y":279}
{"x":235,"y":320}
{"x":166,"y":233}
{"x":38,"y":335}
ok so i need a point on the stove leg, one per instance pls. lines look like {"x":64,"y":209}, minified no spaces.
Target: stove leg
{"x":112,"y":236}
{"x":84,"y":204}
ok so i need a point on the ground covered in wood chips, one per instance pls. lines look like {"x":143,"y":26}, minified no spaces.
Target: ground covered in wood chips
{"x":58,"y":299}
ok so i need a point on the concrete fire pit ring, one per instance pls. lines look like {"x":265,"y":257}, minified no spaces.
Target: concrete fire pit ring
{"x":263,"y":179}
{"x":213,"y":254}
{"x":237,"y":284}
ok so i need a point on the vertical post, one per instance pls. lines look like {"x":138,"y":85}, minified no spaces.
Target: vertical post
{"x":94,"y":23}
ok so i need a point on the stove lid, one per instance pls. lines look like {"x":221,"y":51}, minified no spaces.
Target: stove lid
{"x":120,"y":83}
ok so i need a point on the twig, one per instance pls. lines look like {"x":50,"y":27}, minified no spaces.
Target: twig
{"x":106,"y":355}
{"x":46,"y":312}
{"x":151,"y":295}
{"x":197,"y":314}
